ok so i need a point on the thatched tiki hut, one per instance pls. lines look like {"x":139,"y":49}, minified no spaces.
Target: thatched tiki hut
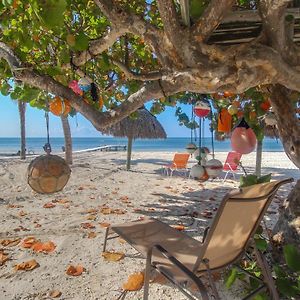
{"x":144,"y":126}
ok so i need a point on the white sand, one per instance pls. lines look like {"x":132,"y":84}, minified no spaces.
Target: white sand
{"x":99,"y":179}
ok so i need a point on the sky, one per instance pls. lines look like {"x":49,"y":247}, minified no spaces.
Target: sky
{"x":80,"y":127}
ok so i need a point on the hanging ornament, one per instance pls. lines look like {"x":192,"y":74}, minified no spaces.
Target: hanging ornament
{"x":270,"y":119}
{"x":94,"y":92}
{"x":236,"y":103}
{"x":232,"y":109}
{"x":101,"y":103}
{"x":265,"y":105}
{"x":191,"y":148}
{"x":75,"y":87}
{"x":197,"y":171}
{"x":228,"y":94}
{"x":214,"y":168}
{"x":84,"y":84}
{"x":224,"y":121}
{"x":201,"y":109}
{"x":243,"y":139}
{"x":60,"y":106}
{"x":48,"y":174}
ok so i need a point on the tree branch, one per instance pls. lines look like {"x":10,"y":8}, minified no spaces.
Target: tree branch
{"x":169,"y":18}
{"x":211,"y":18}
{"x":135,"y":76}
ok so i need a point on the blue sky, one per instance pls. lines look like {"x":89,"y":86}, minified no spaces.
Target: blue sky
{"x":35,"y":122}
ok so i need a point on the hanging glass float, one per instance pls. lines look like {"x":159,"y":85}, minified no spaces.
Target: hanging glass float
{"x":265,"y":105}
{"x":84,"y":84}
{"x":270,"y":119}
{"x":197,"y":171}
{"x":75,"y":87}
{"x":60,"y":106}
{"x":232,"y":109}
{"x":224,"y":121}
{"x":204,"y":152}
{"x":243,"y":138}
{"x":214,"y":168}
{"x":48,"y":174}
{"x":205,"y":176}
{"x":201,"y":109}
{"x":191,"y":148}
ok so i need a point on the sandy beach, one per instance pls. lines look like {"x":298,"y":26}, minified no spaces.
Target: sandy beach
{"x":98,"y":181}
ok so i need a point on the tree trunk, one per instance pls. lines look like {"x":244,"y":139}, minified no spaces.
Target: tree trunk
{"x":68,"y":139}
{"x":287,"y":228}
{"x":129,"y":149}
{"x":259,"y":148}
{"x":22,"y":110}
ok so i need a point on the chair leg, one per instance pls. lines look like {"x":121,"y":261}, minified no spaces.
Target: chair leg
{"x":268,"y":279}
{"x":105,"y":239}
{"x":211,"y":280}
{"x":225,"y":176}
{"x":147,"y":275}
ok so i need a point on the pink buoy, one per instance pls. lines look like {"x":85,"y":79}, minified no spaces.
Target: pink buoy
{"x":243,"y":138}
{"x":75,"y":87}
{"x":201,"y":109}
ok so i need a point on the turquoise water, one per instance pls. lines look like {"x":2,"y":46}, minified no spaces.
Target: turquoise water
{"x":12,"y":145}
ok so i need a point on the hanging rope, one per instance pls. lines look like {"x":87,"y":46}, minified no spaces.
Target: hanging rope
{"x":192,"y":119}
{"x":47,"y":146}
{"x":200,"y":141}
{"x":212,"y":133}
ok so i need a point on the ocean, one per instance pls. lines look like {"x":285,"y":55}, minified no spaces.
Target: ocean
{"x":12,"y":145}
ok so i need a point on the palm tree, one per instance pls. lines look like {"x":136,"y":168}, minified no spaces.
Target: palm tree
{"x":22,"y":110}
{"x":68,"y":139}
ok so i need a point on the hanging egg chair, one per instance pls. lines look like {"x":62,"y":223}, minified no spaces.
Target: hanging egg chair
{"x":191,"y":148}
{"x":243,"y":138}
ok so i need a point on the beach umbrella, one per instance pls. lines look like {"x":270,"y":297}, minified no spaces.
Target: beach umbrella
{"x":144,"y":126}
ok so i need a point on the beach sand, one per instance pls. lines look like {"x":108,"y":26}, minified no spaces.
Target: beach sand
{"x":99,"y":180}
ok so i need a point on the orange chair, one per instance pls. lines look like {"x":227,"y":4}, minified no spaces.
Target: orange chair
{"x":231,"y":164}
{"x":179,"y":163}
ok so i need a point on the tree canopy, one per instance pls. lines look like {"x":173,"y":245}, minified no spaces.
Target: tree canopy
{"x":142,"y":50}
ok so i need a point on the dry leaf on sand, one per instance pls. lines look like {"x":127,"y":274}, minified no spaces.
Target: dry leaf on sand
{"x":135,"y":282}
{"x":3,"y":258}
{"x":104,"y":224}
{"x":49,"y":205}
{"x":178,"y":227}
{"x":87,"y":225}
{"x":29,"y":242}
{"x":92,"y":235}
{"x":46,"y":247}
{"x":74,"y":270}
{"x":27,"y":266}
{"x":113,"y":256}
{"x":55,"y":294}
{"x":10,"y":243}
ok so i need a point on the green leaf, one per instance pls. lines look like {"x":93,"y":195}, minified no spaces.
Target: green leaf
{"x":52,"y":12}
{"x":196,"y":8}
{"x":5,"y":88}
{"x":261,"y":244}
{"x":248,"y":180}
{"x":81,"y":42}
{"x":292,"y":257}
{"x":286,"y":287}
{"x":231,"y":278}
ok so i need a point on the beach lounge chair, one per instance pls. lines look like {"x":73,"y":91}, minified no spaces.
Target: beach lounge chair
{"x":183,"y":260}
{"x":179,"y":163}
{"x":231,"y":164}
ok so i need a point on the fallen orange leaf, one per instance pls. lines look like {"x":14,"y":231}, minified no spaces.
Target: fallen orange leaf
{"x":113,"y":256}
{"x":135,"y":282}
{"x":49,"y":205}
{"x":3,"y":258}
{"x":91,"y":217}
{"x":74,"y":270}
{"x":119,"y":211}
{"x":92,"y":211}
{"x":55,"y":294}
{"x":29,"y":242}
{"x":27,"y":266}
{"x":22,"y":213}
{"x":178,"y":227}
{"x":87,"y":225}
{"x":10,"y":243}
{"x":92,"y":235}
{"x":104,"y":224}
{"x":46,"y":247}
{"x":106,"y":210}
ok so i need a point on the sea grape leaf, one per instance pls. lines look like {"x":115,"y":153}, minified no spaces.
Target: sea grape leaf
{"x":292,"y":257}
{"x":231,"y":278}
{"x":265,"y":178}
{"x":81,"y":42}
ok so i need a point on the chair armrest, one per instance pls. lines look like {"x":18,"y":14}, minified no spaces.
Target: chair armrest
{"x":185,"y":270}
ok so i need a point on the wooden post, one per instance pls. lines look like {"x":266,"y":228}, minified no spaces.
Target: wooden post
{"x":129,"y":148}
{"x":259,"y":148}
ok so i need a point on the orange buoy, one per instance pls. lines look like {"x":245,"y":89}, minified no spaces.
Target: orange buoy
{"x":60,"y":106}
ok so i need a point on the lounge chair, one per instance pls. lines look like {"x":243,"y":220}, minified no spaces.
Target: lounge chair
{"x":179,"y":163}
{"x":183,"y":260}
{"x":231,"y":164}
